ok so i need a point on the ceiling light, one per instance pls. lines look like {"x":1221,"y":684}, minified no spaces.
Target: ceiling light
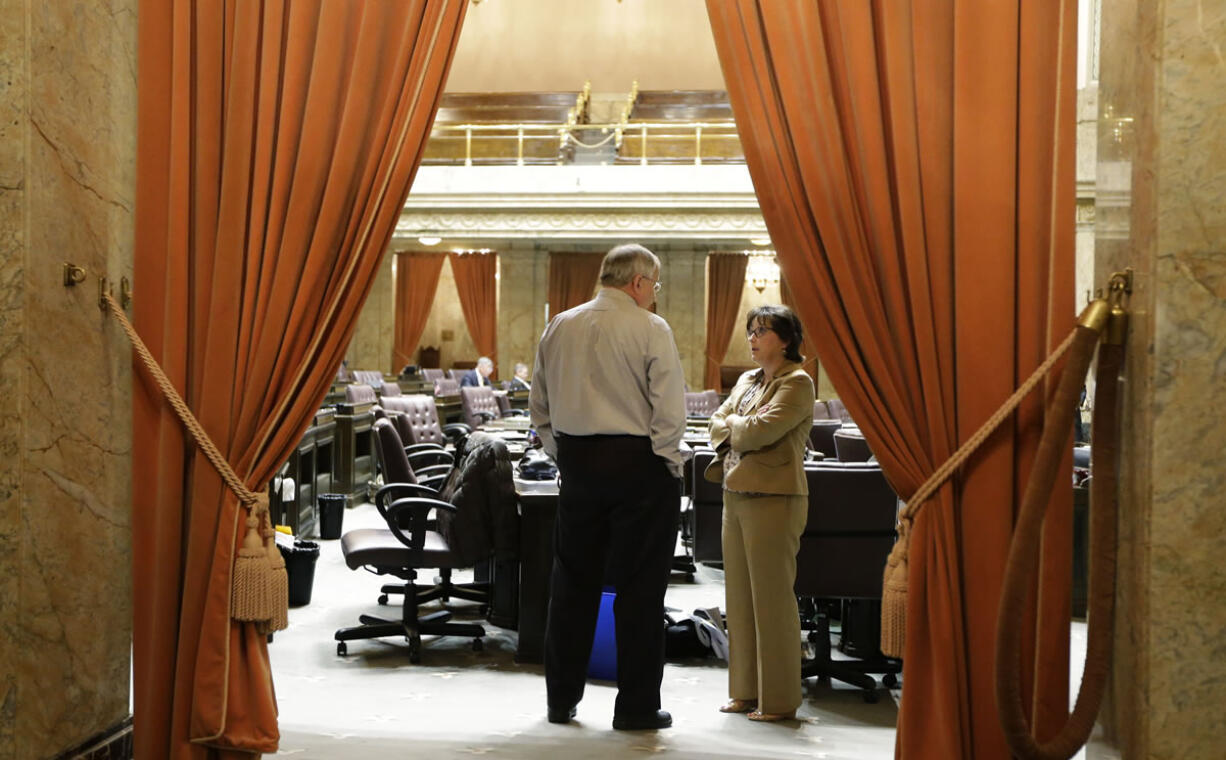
{"x":429,"y":240}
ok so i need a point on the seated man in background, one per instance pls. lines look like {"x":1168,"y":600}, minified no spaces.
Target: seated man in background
{"x":520,"y":381}
{"x":480,"y":375}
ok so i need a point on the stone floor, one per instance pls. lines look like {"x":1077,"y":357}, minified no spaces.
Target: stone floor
{"x":459,"y":703}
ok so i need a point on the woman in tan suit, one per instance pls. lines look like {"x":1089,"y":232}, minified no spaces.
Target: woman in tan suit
{"x":759,"y":436}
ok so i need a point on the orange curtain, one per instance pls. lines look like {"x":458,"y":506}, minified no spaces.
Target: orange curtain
{"x":725,"y":283}
{"x":417,"y":274}
{"x":477,"y":283}
{"x":278,"y":141}
{"x":903,"y":154}
{"x":573,"y":278}
{"x":808,"y":348}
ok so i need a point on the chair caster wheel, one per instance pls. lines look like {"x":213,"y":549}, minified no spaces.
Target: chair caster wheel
{"x":889,"y":680}
{"x":478,"y":645}
{"x":382,"y":598}
{"x":341,"y":649}
{"x":870,"y":697}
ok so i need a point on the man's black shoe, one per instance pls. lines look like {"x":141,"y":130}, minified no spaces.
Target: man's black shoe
{"x":561,"y":714}
{"x":657,"y":719}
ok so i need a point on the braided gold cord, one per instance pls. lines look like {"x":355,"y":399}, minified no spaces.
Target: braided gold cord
{"x":975,"y":441}
{"x":194,"y":428}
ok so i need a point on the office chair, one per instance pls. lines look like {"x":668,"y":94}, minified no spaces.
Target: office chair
{"x":373,"y":378}
{"x":388,"y":389}
{"x":821,"y":437}
{"x":430,"y":374}
{"x":413,"y":540}
{"x":479,"y":405}
{"x":418,"y":422}
{"x":707,"y":508}
{"x":843,"y":551}
{"x":701,"y":404}
{"x":850,"y":446}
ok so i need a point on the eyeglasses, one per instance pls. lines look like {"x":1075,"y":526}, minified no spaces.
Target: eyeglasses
{"x":756,"y":332}
{"x":656,"y":285}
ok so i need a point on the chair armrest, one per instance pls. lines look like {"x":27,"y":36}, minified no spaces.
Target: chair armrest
{"x":516,"y":413}
{"x":456,"y":432}
{"x":416,"y":512}
{"x":413,"y":447}
{"x":393,"y":491}
{"x":432,"y":457}
{"x":432,"y":471}
{"x":434,"y":482}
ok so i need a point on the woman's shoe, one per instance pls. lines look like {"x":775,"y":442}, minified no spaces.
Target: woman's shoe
{"x":772,"y":717}
{"x":739,"y":706}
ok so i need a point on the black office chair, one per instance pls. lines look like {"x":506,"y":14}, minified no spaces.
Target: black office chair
{"x":821,"y":437}
{"x":412,"y":541}
{"x":843,"y":551}
{"x":707,"y":511}
{"x":850,"y":446}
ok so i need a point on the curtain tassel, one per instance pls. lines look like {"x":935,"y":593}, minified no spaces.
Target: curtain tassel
{"x":894,"y":595}
{"x":249,"y":600}
{"x":278,"y":588}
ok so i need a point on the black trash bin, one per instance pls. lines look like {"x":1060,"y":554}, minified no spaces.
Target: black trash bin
{"x":300,"y":569}
{"x":331,"y":514}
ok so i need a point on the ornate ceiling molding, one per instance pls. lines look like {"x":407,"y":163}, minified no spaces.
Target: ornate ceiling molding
{"x":571,"y":223}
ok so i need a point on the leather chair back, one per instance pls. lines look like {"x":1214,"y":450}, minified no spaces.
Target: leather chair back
{"x":849,"y":533}
{"x":820,"y":410}
{"x":370,"y":377}
{"x":850,"y":446}
{"x":821,"y":437}
{"x":504,"y":403}
{"x":701,"y":403}
{"x":390,"y":450}
{"x":446,"y":387}
{"x":456,"y":374}
{"x":432,"y":374}
{"x":357,"y":393}
{"x":418,"y":419}
{"x":389,"y":389}
{"x":838,"y":411}
{"x":708,"y":503}
{"x":476,"y":401}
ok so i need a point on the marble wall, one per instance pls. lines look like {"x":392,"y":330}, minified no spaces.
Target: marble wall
{"x":67,"y":179}
{"x":1161,"y":146}
{"x":371,"y":345}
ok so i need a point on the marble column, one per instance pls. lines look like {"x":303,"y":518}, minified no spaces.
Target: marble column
{"x":1162,"y":210}
{"x":682,"y":301}
{"x":67,"y":180}
{"x":522,"y":287}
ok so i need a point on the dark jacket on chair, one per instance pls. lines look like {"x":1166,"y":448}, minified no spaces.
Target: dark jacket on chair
{"x":483,"y":492}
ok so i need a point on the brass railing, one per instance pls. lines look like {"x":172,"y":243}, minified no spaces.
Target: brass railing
{"x":708,"y":135}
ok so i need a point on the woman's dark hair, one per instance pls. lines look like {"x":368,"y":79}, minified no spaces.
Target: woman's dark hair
{"x":783,"y":322}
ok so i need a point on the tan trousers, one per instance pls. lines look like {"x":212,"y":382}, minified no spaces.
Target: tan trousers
{"x":761,"y":537}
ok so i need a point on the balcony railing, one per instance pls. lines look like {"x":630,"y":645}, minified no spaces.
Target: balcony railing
{"x":664,"y":142}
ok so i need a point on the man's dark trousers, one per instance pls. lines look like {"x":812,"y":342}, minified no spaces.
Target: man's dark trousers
{"x":617,"y":520}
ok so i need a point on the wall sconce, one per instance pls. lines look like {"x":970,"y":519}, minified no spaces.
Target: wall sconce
{"x":762,"y":270}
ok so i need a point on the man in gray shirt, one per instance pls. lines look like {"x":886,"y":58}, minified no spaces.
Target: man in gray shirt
{"x":608,"y":403}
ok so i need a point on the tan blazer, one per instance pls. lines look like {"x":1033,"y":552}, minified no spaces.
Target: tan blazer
{"x":770,"y":438}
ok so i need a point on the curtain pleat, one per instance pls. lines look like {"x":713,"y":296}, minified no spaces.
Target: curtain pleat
{"x":573,"y":278}
{"x":903,"y":154}
{"x":725,"y":283}
{"x":278,"y":141}
{"x":477,"y":284}
{"x":417,"y":275}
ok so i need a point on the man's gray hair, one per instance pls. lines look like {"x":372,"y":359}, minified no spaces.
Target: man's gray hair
{"x":621,"y":264}
{"x":485,"y":361}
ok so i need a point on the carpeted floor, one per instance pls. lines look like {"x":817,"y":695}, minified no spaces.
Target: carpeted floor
{"x":459,"y":703}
